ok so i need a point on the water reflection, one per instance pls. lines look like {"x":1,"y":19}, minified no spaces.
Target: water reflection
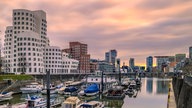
{"x":151,"y":94}
{"x":162,"y":87}
{"x":149,"y":86}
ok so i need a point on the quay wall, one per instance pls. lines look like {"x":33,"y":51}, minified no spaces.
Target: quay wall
{"x":183,"y":91}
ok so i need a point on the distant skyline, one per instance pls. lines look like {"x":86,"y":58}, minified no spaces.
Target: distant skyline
{"x":136,"y":29}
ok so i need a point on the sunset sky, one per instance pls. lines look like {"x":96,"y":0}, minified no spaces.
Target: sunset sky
{"x":135,"y":28}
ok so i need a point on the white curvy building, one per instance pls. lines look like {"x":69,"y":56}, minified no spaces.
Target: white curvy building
{"x":26,"y":45}
{"x":69,"y":65}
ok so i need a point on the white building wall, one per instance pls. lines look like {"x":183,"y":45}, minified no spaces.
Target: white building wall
{"x":70,"y":66}
{"x":26,"y":46}
{"x":52,"y":59}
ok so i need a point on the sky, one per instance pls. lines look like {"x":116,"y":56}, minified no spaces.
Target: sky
{"x":135,"y":28}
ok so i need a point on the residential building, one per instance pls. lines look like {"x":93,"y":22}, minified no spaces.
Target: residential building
{"x":149,"y":62}
{"x":78,"y":51}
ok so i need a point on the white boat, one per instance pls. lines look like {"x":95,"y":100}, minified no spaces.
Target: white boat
{"x":39,"y":102}
{"x":92,"y":104}
{"x":53,"y":90}
{"x":6,"y":96}
{"x":71,"y":102}
{"x":132,"y":84}
{"x":32,"y":88}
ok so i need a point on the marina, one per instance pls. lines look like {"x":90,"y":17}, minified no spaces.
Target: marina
{"x":151,"y":89}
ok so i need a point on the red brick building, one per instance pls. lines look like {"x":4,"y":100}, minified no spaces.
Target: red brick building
{"x":78,"y":51}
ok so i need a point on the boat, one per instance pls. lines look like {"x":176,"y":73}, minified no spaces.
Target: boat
{"x":132,"y":84}
{"x":71,"y":90}
{"x":115,"y":92}
{"x":61,"y":90}
{"x":96,"y":78}
{"x":76,"y":83}
{"x":67,"y":84}
{"x":130,"y":91}
{"x":53,"y":90}
{"x":40,"y":102}
{"x":125,"y":82}
{"x":92,"y":104}
{"x":91,"y":90}
{"x":4,"y":96}
{"x":138,"y":82}
{"x":71,"y":102}
{"x":32,"y":88}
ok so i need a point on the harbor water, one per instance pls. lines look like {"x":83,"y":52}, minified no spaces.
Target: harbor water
{"x":152,"y":94}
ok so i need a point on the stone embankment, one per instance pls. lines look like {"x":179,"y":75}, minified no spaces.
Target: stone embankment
{"x":183,"y":91}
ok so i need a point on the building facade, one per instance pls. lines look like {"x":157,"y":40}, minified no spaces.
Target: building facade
{"x":24,"y":41}
{"x":78,"y":51}
{"x":162,"y":62}
{"x":132,"y":63}
{"x":110,"y":57}
{"x":27,"y":49}
{"x":180,"y":57}
{"x":149,"y":63}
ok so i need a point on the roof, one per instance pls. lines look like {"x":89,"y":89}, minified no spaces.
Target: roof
{"x":71,"y":100}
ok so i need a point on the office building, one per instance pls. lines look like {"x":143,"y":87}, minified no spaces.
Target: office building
{"x":110,"y":57}
{"x":27,"y":49}
{"x":149,"y":63}
{"x":132,"y":63}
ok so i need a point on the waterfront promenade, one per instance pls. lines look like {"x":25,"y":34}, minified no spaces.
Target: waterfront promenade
{"x":171,"y":97}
